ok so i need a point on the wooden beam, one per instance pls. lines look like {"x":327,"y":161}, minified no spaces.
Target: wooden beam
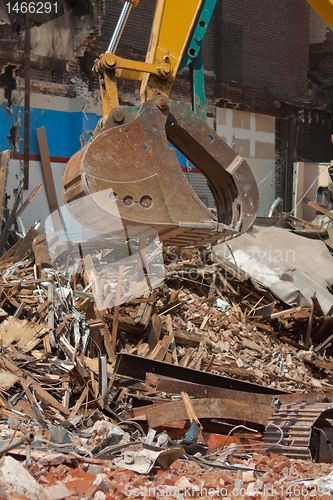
{"x":154,"y":332}
{"x":320,"y":209}
{"x":47,"y":397}
{"x":4,"y":160}
{"x":209,"y":408}
{"x":29,"y":199}
{"x":26,"y":153}
{"x":174,"y":386}
{"x":48,"y":178}
{"x":24,"y":245}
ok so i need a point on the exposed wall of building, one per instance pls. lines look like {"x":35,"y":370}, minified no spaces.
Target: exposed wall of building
{"x":321,"y":46}
{"x":314,"y":139}
{"x":262,"y":46}
{"x":256,"y":59}
{"x":308,"y":178}
{"x":316,"y":127}
{"x":62,"y":118}
{"x":252,"y":136}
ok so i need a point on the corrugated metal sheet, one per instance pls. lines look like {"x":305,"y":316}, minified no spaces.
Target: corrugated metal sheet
{"x":290,"y":429}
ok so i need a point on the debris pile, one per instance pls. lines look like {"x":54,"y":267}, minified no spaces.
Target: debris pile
{"x":159,"y":390}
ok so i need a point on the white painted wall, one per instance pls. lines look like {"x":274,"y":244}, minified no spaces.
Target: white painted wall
{"x":308,"y":178}
{"x":38,"y":209}
{"x":263,"y":168}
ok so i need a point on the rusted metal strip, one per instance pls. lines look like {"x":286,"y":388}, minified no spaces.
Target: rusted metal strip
{"x":137,"y":367}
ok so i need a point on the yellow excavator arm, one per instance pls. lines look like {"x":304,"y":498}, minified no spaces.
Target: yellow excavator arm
{"x":129,"y":173}
{"x":173,"y":25}
{"x":324,"y":9}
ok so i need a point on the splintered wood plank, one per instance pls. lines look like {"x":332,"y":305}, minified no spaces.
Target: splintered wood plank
{"x":29,"y":200}
{"x":41,"y":251}
{"x":154,"y":332}
{"x":7,"y":380}
{"x":326,"y":320}
{"x":92,"y":364}
{"x":171,"y":332}
{"x":48,"y":177}
{"x":204,"y":322}
{"x":160,"y":350}
{"x":79,"y":402}
{"x":183,"y":337}
{"x":33,"y":403}
{"x":4,"y":160}
{"x":157,"y":349}
{"x":287,"y":313}
{"x":24,"y":407}
{"x":320,"y":209}
{"x":24,"y":333}
{"x":175,"y":386}
{"x":145,"y":309}
{"x":327,"y":342}
{"x":202,"y":353}
{"x":209,"y":408}
{"x":191,"y":414}
{"x":317,"y":307}
{"x":99,"y":328}
{"x":3,"y":402}
{"x":187,"y":357}
{"x":8,"y":364}
{"x":24,"y":245}
{"x":5,"y":258}
{"x":212,"y":287}
{"x":47,"y":397}
{"x":10,"y":219}
{"x":47,"y":170}
{"x":189,"y":408}
{"x":308,"y":341}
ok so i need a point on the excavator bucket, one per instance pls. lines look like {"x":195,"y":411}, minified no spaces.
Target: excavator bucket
{"x":130,"y":176}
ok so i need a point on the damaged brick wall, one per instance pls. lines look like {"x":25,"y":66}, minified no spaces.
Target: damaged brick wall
{"x":314,"y":142}
{"x":258,"y":46}
{"x":315,"y":132}
{"x":254,"y":52}
{"x":263,"y":47}
{"x":321,"y":47}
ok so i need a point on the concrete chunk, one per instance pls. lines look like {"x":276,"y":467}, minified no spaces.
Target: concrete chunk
{"x":15,"y":479}
{"x":57,"y":491}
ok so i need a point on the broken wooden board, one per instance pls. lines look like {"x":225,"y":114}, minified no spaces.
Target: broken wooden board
{"x":24,"y":244}
{"x":41,"y":252}
{"x":321,"y":209}
{"x":209,"y":408}
{"x":47,"y":398}
{"x":183,"y":337}
{"x":25,"y":334}
{"x":174,"y":386}
{"x":7,"y":380}
{"x":48,"y":178}
{"x":29,"y":200}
